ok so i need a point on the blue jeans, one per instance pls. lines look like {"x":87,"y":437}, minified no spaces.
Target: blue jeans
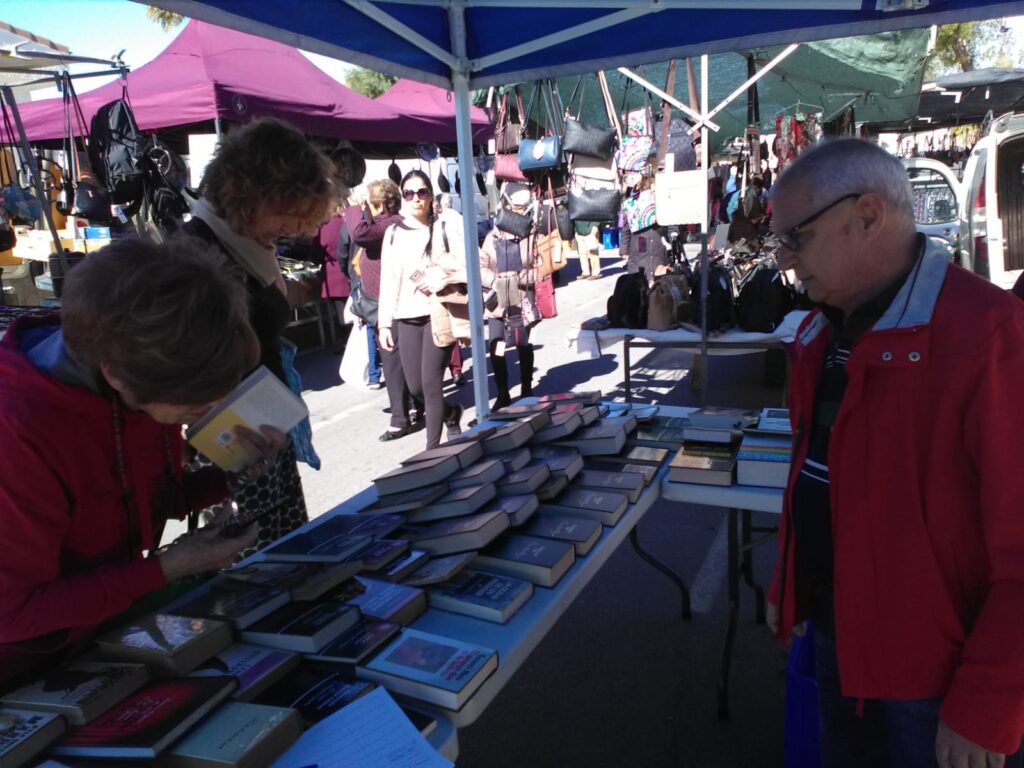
{"x":374,"y":354}
{"x":893,"y":733}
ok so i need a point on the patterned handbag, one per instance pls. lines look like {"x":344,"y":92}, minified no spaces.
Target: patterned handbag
{"x":640,"y":210}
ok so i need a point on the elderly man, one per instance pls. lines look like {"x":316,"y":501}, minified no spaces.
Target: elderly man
{"x":903,"y":524}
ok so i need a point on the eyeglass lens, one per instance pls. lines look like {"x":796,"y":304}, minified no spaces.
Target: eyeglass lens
{"x":422,"y":193}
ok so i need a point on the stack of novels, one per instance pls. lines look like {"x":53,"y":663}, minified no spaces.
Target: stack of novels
{"x":704,"y":463}
{"x":766,"y":453}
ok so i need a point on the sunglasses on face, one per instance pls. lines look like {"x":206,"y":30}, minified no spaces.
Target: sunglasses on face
{"x":790,"y":239}
{"x":422,"y":193}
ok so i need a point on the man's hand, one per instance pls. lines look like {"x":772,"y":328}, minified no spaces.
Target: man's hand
{"x":203,"y":551}
{"x":384,"y":337}
{"x":954,"y":751}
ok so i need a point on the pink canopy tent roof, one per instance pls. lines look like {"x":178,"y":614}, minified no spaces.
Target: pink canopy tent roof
{"x":435,"y":106}
{"x":209,"y":72}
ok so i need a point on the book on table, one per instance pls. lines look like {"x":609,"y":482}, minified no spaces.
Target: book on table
{"x":508,"y":437}
{"x":582,"y":533}
{"x":466,"y":453}
{"x":456,"y":503}
{"x":24,"y":734}
{"x":239,"y":604}
{"x":237,"y":734}
{"x":645,"y":471}
{"x":606,"y":437}
{"x":477,"y":435}
{"x":357,"y":644}
{"x":542,"y":561}
{"x":641,"y":413}
{"x":661,"y":432}
{"x":515,"y":459}
{"x":559,"y":460}
{"x":764,"y":459}
{"x":379,"y":554}
{"x":704,"y":463}
{"x":169,"y":644}
{"x":640,"y":454}
{"x":459,"y":534}
{"x":334,"y":540}
{"x":774,"y":420}
{"x":146,"y":722}
{"x":316,"y":690}
{"x":588,"y":413}
{"x":260,"y":400}
{"x":537,"y":421}
{"x":711,"y":435}
{"x":263,"y":574}
{"x":431,"y":668}
{"x":487,"y":596}
{"x":561,"y":425}
{"x":719,"y":417}
{"x":79,"y":691}
{"x":513,"y":412}
{"x":400,"y":569}
{"x":592,"y":397}
{"x":519,"y":508}
{"x":406,"y":500}
{"x":607,"y":507}
{"x":302,"y":627}
{"x":382,"y":600}
{"x":489,"y":470}
{"x":628,"y":483}
{"x":318,"y":579}
{"x":524,"y":481}
{"x":552,"y":488}
{"x":439,"y":569}
{"x":255,"y":667}
{"x":418,"y":475}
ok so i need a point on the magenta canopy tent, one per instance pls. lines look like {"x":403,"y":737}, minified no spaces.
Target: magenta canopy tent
{"x":211,"y":72}
{"x":434,"y":106}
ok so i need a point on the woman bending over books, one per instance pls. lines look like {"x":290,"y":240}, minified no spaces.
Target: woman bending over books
{"x":266,"y":181}
{"x":423,"y":256}
{"x":149,"y":337}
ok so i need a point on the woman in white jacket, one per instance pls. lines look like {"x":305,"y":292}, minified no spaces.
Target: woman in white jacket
{"x":421,"y":255}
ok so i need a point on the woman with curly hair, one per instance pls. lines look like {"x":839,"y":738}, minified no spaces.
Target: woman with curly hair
{"x":423,"y":255}
{"x":266,"y":180}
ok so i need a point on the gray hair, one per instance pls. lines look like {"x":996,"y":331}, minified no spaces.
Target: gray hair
{"x":845,"y":166}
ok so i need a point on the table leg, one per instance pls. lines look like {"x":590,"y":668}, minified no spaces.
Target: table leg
{"x":734,"y":603}
{"x":644,"y":555}
{"x":748,"y":567}
{"x":626,"y":363}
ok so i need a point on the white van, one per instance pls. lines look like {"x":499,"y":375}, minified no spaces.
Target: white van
{"x":937,"y":199}
{"x":992,"y":216}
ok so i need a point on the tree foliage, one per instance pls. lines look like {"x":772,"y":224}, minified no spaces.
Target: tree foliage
{"x":971,"y":45}
{"x":166,"y":19}
{"x":368,"y":82}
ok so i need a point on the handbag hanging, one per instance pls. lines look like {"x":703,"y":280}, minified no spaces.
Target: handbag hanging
{"x":583,"y":139}
{"x":594,"y":204}
{"x":545,"y":152}
{"x":545,"y":293}
{"x":516,"y":224}
{"x":639,"y":208}
{"x":506,"y":132}
{"x":552,"y":215}
{"x":506,"y":168}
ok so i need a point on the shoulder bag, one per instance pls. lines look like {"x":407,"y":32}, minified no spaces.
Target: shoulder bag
{"x":545,"y":152}
{"x":583,"y":139}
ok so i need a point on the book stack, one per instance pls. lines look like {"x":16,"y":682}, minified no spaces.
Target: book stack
{"x":487,"y":596}
{"x":704,"y":463}
{"x":765,"y":454}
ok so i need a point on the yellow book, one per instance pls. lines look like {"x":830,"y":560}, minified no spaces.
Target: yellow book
{"x":260,"y":400}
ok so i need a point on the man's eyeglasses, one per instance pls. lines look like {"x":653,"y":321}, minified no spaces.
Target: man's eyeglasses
{"x":422,"y":193}
{"x":790,"y":239}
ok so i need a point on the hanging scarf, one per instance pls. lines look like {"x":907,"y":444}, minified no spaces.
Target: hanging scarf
{"x":258,"y":260}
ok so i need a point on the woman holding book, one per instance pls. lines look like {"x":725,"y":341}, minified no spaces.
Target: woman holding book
{"x":423,"y":258}
{"x":149,"y":337}
{"x":266,"y":181}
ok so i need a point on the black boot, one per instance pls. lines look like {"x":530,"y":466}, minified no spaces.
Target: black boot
{"x":500,"y":368}
{"x":525,"y":370}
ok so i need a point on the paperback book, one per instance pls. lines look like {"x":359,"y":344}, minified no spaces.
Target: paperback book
{"x":400,"y":569}
{"x":255,"y":668}
{"x":379,"y":554}
{"x":459,"y":534}
{"x":606,"y":437}
{"x":302,"y":627}
{"x":638,"y":454}
{"x":718,"y":417}
{"x":357,"y":644}
{"x":384,"y":601}
{"x":764,"y":460}
{"x":508,"y":437}
{"x":481,"y":595}
{"x":562,"y":425}
{"x":774,"y":420}
{"x":170,"y":644}
{"x":466,"y":453}
{"x":239,"y":735}
{"x":525,"y":481}
{"x":334,"y":540}
{"x":489,"y":470}
{"x":316,"y":691}
{"x":512,"y":412}
{"x":515,"y":459}
{"x":456,"y":503}
{"x":628,"y":483}
{"x":518,"y":508}
{"x":239,"y":604}
{"x":607,"y":507}
{"x":418,"y":475}
{"x":559,"y":460}
{"x":645,"y":471}
{"x":406,"y":501}
{"x":704,"y":463}
{"x":24,"y":734}
{"x":80,"y":691}
{"x":440,"y":569}
{"x":582,"y":533}
{"x":553,"y":488}
{"x":542,"y":561}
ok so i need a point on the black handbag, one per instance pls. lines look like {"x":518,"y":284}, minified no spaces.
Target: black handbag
{"x":555,"y":216}
{"x":582,"y":139}
{"x":594,"y":204}
{"x":362,"y":304}
{"x":515,"y":224}
{"x":92,"y":202}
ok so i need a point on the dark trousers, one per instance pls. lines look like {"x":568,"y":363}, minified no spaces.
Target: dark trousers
{"x":423,"y":363}
{"x":394,"y":379}
{"x":900,"y":734}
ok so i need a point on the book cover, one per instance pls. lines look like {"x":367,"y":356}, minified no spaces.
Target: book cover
{"x":518,"y":508}
{"x":172,"y":644}
{"x":537,"y":421}
{"x":440,"y":569}
{"x":605,"y":437}
{"x":588,"y":413}
{"x":704,"y":463}
{"x":582,"y":533}
{"x":319,"y":579}
{"x":316,"y":691}
{"x":562,"y":425}
{"x":607,"y":507}
{"x":487,"y":471}
{"x":774,"y":420}
{"x":418,"y":475}
{"x":240,"y":604}
{"x":482,"y":595}
{"x":379,"y":554}
{"x":457,"y":502}
{"x":507,"y":437}
{"x":145,"y":723}
{"x":24,"y":734}
{"x":80,"y":691}
{"x":280,"y":575}
{"x":404,"y":567}
{"x":638,"y":454}
{"x":357,"y":644}
{"x":431,"y":668}
{"x":654,"y":435}
{"x":384,"y":601}
{"x":645,"y":471}
{"x":460,"y":534}
{"x":406,"y":500}
{"x":628,"y":483}
{"x":524,"y":481}
{"x":511,"y":412}
{"x":255,"y":667}
{"x":466,"y":453}
{"x":302,"y":627}
{"x":772,"y":448}
{"x":333,"y":540}
{"x":719,"y":417}
{"x":552,"y":488}
{"x":239,"y":735}
{"x":515,"y":459}
{"x":542,"y":561}
{"x":260,"y":400}
{"x":560,"y":460}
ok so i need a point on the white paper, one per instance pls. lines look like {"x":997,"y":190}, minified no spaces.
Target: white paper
{"x":371,"y":732}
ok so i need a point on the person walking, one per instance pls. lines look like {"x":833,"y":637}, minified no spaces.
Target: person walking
{"x":423,"y":256}
{"x":900,"y":533}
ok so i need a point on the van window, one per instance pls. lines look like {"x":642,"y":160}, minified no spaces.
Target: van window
{"x":934,"y":200}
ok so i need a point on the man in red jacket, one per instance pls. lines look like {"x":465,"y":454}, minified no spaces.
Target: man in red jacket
{"x":150,"y":337}
{"x":902,"y":533}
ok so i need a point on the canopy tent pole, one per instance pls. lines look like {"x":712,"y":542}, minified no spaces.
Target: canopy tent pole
{"x":701,"y":120}
{"x":467,"y":171}
{"x":704,"y":158}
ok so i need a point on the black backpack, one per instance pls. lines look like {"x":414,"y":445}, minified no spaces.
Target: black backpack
{"x":765,"y":298}
{"x":668,"y":303}
{"x":720,"y":299}
{"x":116,"y":150}
{"x":627,"y":306}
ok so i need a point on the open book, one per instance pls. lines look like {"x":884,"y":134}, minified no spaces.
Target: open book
{"x":260,"y":400}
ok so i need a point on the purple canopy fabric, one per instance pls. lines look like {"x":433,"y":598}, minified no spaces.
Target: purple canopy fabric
{"x":209,"y":71}
{"x":435,"y":105}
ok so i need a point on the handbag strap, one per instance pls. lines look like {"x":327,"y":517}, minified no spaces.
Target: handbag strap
{"x":529,"y":107}
{"x":613,"y":117}
{"x":572,"y":97}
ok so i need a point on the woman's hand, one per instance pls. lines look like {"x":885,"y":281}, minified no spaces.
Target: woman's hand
{"x":205,"y":550}
{"x":385,"y":339}
{"x":263,"y":444}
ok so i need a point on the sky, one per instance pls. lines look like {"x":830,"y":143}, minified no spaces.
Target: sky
{"x":102,"y":28}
